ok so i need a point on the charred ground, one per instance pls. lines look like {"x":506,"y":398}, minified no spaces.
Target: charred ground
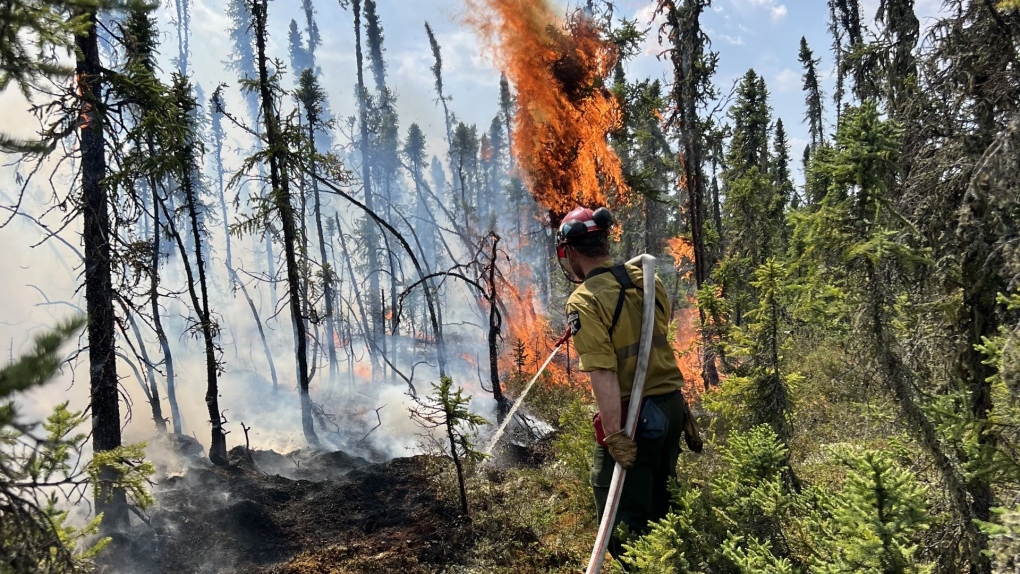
{"x":300,"y":513}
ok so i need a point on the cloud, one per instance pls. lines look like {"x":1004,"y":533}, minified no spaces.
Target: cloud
{"x":732,"y":40}
{"x":776,"y":11}
{"x":645,"y":14}
{"x":737,"y":40}
{"x":787,"y":81}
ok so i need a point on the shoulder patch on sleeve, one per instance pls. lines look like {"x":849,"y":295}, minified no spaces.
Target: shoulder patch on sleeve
{"x":574,"y":320}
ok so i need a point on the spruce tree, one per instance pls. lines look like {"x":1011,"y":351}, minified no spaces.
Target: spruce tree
{"x":145,"y":95}
{"x":693,"y":66}
{"x":902,"y":31}
{"x":784,"y":194}
{"x":216,"y":114}
{"x":300,"y":57}
{"x":371,"y":233}
{"x":243,"y":62}
{"x":282,"y":206}
{"x":385,"y":157}
{"x":186,"y":153}
{"x":812,"y":94}
{"x":311,"y":96}
{"x":437,"y":71}
{"x":753,"y":204}
{"x":96,"y":232}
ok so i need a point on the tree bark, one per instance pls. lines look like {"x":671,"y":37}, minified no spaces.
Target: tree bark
{"x":281,"y":199}
{"x":495,"y":325}
{"x":371,"y":239}
{"x":95,"y":207}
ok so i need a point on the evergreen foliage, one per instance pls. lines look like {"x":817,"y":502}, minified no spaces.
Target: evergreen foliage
{"x":447,"y":410}
{"x":746,"y":520}
{"x":40,"y":475}
{"x":812,"y":94}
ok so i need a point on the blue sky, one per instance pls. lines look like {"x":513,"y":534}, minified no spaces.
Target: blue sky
{"x":763,"y":34}
{"x":759,"y":34}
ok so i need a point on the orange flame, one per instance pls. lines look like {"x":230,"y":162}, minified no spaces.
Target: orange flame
{"x":682,"y":251}
{"x":564,"y":111}
{"x":363,"y":372}
{"x":687,"y":348}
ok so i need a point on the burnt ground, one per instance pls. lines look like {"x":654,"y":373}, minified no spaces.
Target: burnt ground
{"x":298,"y":514}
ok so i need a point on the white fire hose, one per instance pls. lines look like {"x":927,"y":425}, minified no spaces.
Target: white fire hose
{"x":644,"y":352}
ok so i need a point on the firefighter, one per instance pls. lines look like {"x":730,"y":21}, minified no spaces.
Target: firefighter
{"x":604,"y":316}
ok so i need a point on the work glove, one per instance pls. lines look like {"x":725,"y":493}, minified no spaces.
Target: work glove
{"x":623,"y":449}
{"x":692,"y":436}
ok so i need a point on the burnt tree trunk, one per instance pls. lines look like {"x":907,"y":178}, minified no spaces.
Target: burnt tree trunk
{"x":327,"y":269}
{"x":495,"y":326}
{"x":218,"y":444}
{"x":95,"y":207}
{"x":685,"y":35}
{"x":153,"y":396}
{"x":371,"y":238}
{"x":281,"y":200}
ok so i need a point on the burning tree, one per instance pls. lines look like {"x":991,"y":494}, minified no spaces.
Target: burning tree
{"x":564,"y":110}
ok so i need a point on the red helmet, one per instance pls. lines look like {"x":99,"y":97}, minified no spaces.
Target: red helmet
{"x":582,"y":221}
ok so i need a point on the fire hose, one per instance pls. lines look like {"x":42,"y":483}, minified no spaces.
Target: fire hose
{"x":520,"y":400}
{"x":644,"y":350}
{"x":647,"y":263}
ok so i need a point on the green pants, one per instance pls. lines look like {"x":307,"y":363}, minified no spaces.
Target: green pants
{"x":645,"y":496}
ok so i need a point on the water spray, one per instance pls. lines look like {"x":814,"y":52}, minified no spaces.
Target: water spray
{"x":520,"y":400}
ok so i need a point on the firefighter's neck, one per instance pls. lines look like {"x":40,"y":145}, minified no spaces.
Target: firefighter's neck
{"x":584,"y":264}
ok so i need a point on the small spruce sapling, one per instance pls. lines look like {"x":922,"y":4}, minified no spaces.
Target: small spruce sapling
{"x":38,"y":473}
{"x":447,"y":409}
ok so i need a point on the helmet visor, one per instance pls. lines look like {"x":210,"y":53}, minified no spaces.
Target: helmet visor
{"x":561,"y":257}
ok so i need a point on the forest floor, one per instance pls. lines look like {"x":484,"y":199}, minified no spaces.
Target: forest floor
{"x":295,"y":514}
{"x":328,"y":512}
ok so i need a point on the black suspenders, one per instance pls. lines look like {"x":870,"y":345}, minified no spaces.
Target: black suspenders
{"x":623,"y":278}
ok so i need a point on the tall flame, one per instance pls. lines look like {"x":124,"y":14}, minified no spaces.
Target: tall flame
{"x":565,"y":113}
{"x":564,"y":116}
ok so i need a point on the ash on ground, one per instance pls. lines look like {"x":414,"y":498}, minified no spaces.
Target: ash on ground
{"x":526,"y":441}
{"x":297,"y":513}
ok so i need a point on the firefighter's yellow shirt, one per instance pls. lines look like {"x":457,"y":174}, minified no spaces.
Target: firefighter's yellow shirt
{"x":590,"y":311}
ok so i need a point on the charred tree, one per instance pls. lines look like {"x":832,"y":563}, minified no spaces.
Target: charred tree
{"x":216,"y":115}
{"x":495,"y":328}
{"x":282,"y":204}
{"x":139,"y":39}
{"x":385,"y":162}
{"x":183,"y":8}
{"x":157,"y":321}
{"x":243,"y":62}
{"x":437,"y":71}
{"x":371,"y":237}
{"x":311,"y":97}
{"x":97,"y":235}
{"x":692,"y":70}
{"x":153,"y":389}
{"x":186,"y":153}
